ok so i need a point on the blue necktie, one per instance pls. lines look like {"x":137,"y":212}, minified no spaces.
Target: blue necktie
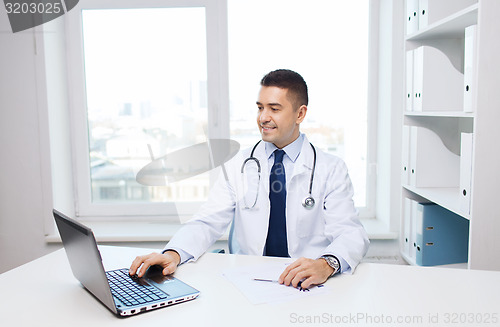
{"x":276,"y":244}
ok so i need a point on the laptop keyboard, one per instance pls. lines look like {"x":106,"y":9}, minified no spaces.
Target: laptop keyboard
{"x":131,"y":290}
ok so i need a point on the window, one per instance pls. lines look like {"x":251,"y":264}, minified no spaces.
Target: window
{"x":146,"y":85}
{"x":150,"y":77}
{"x":141,"y":73}
{"x":327,"y":43}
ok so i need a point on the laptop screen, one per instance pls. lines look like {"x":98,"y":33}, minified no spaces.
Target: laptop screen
{"x":84,"y":257}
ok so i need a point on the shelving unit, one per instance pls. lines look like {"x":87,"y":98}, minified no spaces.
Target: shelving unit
{"x":455,"y":126}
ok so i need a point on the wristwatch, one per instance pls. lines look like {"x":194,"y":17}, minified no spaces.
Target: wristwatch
{"x":333,"y":262}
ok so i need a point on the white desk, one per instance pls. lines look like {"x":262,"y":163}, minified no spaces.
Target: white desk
{"x":45,"y":293}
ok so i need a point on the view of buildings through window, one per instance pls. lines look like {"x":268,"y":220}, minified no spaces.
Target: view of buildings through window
{"x":146,"y":87}
{"x":146,"y":84}
{"x":327,"y":43}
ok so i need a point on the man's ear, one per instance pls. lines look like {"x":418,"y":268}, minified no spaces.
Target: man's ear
{"x":301,"y":114}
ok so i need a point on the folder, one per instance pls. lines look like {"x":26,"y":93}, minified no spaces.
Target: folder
{"x":466,"y":146}
{"x":432,"y":164}
{"x":405,"y":160}
{"x":413,"y":231}
{"x":437,"y":84}
{"x":409,"y":243}
{"x":409,"y":80}
{"x":411,"y":16}
{"x":470,"y":45}
{"x":423,"y":13}
{"x":442,"y":236}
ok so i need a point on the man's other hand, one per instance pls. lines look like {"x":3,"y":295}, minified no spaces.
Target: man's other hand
{"x":309,"y":271}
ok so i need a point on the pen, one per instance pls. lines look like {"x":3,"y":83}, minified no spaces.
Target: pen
{"x":275,"y":281}
{"x":265,"y":280}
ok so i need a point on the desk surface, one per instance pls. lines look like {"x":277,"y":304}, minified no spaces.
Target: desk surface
{"x":45,"y":293}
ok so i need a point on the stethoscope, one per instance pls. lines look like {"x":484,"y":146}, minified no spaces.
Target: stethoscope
{"x":307,"y":203}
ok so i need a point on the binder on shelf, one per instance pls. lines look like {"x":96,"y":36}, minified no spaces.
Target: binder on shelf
{"x":411,"y":16}
{"x":470,"y":45}
{"x":409,"y":238}
{"x":431,"y":163}
{"x":405,"y":160}
{"x":437,"y":84}
{"x":430,"y":11}
{"x":423,"y":14}
{"x":442,"y":236}
{"x":466,"y":145}
{"x":409,"y":80}
{"x":413,"y":231}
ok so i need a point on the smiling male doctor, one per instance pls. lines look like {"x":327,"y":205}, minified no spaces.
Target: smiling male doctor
{"x":327,"y":238}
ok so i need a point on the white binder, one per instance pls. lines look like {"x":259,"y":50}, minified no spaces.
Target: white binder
{"x":437,"y":84}
{"x":407,"y":239}
{"x":411,"y":16}
{"x":466,"y":148}
{"x":418,"y":78}
{"x":405,"y":160}
{"x":423,"y":13}
{"x":409,"y":81}
{"x":470,"y":45}
{"x":431,"y":163}
{"x":413,"y":231}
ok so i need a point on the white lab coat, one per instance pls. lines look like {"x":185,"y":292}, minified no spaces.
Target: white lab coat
{"x":330,"y":227}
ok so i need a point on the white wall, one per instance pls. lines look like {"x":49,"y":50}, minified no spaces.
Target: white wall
{"x":22,"y":201}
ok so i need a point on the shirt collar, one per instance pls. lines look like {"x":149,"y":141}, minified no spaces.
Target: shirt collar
{"x":292,"y":150}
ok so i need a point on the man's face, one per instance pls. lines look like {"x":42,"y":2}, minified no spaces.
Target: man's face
{"x":277,"y":119}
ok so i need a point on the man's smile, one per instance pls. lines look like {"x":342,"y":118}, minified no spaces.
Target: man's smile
{"x":267,"y":128}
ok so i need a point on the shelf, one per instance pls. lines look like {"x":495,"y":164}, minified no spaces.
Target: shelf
{"x":451,"y":27}
{"x":448,"y":127}
{"x":447,"y":197}
{"x":447,"y":114}
{"x":411,"y":261}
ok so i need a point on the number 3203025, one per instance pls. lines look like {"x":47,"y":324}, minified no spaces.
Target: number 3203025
{"x":471,"y":318}
{"x":33,"y":8}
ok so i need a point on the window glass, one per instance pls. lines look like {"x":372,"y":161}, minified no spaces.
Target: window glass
{"x":146,"y":94}
{"x":327,"y":43}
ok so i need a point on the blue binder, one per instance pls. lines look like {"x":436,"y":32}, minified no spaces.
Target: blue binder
{"x":442,"y":236}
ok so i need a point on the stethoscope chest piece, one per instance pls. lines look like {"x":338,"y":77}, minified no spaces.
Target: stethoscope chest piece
{"x":308,"y":202}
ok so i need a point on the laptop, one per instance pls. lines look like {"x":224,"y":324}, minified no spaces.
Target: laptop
{"x":123,"y":294}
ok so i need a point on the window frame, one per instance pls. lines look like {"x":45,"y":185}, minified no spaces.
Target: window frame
{"x":369,"y":211}
{"x":217,"y":90}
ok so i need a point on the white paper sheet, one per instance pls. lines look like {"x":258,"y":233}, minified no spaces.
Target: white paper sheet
{"x":259,"y":292}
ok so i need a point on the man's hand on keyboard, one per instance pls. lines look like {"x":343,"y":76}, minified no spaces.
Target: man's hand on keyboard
{"x":168,"y":261}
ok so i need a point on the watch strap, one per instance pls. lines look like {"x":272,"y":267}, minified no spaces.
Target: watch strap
{"x":333,"y":262}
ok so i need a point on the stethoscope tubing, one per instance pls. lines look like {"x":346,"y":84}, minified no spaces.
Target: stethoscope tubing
{"x":309,"y":201}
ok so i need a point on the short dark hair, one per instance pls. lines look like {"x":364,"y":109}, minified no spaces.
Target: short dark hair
{"x":290,"y":80}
